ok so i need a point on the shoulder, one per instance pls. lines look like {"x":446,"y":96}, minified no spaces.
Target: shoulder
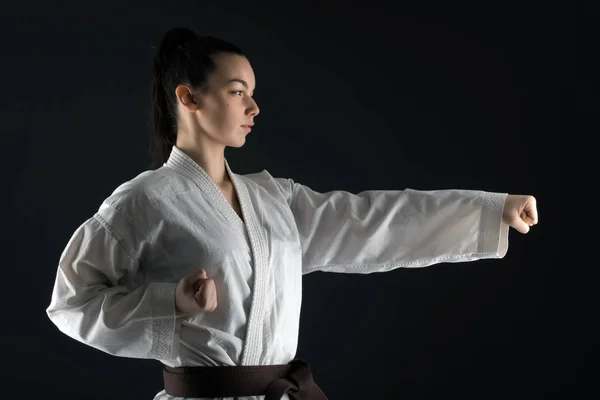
{"x":264,"y":182}
{"x":140,"y":194}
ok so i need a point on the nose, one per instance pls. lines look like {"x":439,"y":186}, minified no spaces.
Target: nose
{"x":253,"y":109}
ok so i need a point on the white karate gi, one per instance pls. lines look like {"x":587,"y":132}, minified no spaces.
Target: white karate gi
{"x":116,"y":279}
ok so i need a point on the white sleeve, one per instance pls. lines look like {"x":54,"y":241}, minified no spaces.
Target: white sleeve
{"x":377,"y":231}
{"x":100,"y":297}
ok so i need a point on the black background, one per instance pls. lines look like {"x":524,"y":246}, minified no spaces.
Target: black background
{"x":353,"y":96}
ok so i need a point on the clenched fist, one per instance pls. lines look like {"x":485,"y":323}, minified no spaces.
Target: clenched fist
{"x":195,"y":293}
{"x":520,"y":212}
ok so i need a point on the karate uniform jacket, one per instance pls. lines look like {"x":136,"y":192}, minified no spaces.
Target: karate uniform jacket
{"x":116,"y":278}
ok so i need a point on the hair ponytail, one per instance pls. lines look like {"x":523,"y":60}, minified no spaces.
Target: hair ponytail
{"x":181,"y":58}
{"x":163,"y":132}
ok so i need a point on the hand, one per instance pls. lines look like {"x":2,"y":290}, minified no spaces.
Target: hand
{"x":520,"y":212}
{"x":195,"y":293}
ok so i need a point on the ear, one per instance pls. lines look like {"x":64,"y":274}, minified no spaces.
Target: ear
{"x":186,"y":98}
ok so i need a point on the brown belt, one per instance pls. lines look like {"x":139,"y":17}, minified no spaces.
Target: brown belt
{"x":271,"y":381}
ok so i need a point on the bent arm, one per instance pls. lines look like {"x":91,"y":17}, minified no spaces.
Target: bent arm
{"x":99,"y":297}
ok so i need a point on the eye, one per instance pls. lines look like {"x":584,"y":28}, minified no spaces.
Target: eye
{"x":237,"y":92}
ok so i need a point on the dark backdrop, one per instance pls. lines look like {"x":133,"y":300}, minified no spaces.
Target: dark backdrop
{"x":352,"y":98}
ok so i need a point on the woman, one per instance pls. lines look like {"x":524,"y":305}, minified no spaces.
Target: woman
{"x":195,"y":266}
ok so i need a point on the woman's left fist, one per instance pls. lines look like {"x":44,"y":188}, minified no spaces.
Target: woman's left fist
{"x":520,"y":212}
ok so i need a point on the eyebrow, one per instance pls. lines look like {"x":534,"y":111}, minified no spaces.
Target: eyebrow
{"x":243,"y":82}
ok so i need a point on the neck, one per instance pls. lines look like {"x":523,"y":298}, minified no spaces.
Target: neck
{"x":209,"y":156}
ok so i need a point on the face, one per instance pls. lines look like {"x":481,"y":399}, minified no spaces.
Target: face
{"x":224,"y":111}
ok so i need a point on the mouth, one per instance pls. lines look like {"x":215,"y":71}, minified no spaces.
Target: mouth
{"x":248,"y":127}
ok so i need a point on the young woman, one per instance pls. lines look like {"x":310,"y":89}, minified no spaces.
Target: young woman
{"x":201,"y":268}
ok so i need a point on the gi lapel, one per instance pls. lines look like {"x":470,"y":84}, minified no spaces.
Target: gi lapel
{"x":257,"y":332}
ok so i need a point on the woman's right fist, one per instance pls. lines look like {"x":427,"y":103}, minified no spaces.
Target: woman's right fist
{"x":195,"y":293}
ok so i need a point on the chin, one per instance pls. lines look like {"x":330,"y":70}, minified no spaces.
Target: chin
{"x":238,"y":143}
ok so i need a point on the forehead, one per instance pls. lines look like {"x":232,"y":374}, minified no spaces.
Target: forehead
{"x":230,"y":66}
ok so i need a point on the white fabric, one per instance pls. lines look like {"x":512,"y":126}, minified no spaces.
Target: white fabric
{"x":116,"y":278}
